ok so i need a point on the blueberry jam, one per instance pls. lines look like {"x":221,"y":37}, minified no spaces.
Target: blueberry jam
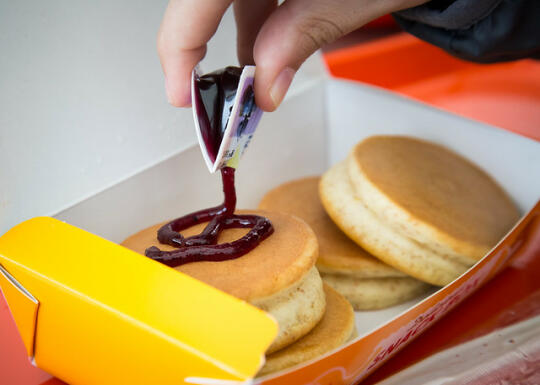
{"x":215,"y":93}
{"x":204,"y":247}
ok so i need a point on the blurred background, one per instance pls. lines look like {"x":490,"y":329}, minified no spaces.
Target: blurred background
{"x":82,"y":100}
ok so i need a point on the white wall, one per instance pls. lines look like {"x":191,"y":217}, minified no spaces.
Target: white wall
{"x":82,"y":103}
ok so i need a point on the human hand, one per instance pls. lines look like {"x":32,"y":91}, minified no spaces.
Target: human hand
{"x":277,"y":39}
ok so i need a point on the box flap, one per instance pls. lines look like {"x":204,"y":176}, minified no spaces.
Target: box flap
{"x":23,"y":307}
{"x":97,"y":296}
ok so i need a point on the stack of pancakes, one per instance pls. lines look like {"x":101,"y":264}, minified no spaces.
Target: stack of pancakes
{"x":278,"y":276}
{"x":364,"y":280}
{"x":417,"y":206}
{"x":398,"y":214}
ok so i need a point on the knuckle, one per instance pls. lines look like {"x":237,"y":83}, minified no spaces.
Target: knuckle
{"x":318,"y":31}
{"x":161,"y":44}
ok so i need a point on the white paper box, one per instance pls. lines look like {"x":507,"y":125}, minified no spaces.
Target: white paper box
{"x":313,"y":129}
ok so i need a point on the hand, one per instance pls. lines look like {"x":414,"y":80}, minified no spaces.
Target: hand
{"x":276,"y":38}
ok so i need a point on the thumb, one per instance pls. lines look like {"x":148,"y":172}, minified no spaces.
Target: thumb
{"x":296,"y":30}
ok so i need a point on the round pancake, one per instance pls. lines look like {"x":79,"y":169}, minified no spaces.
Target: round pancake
{"x":375,"y":293}
{"x":335,"y":328}
{"x":277,"y":276}
{"x":278,"y":262}
{"x":337,"y":253}
{"x":297,"y":309}
{"x":431,"y":195}
{"x":365,"y":228}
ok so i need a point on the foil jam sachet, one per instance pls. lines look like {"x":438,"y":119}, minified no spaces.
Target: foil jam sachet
{"x":225,"y":114}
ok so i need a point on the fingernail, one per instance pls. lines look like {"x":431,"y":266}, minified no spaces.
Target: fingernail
{"x":281,"y":85}
{"x":183,"y":101}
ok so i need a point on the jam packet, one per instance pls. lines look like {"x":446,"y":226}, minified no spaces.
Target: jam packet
{"x":225,"y":114}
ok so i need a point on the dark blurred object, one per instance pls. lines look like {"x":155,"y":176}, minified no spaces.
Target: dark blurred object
{"x":484,"y":31}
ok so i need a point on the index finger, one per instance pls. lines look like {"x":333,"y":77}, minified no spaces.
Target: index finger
{"x":186,"y":28}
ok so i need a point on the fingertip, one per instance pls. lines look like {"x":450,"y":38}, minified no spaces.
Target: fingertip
{"x":264,"y":102}
{"x":281,"y":85}
{"x":177,"y":68}
{"x":244,"y":53}
{"x":178,"y":93}
{"x":271,"y":90}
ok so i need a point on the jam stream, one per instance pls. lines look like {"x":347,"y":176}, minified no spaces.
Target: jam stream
{"x":204,"y":247}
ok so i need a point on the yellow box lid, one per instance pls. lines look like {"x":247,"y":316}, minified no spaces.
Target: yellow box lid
{"x":108,"y":315}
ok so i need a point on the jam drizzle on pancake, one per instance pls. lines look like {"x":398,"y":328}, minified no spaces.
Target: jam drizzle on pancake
{"x":216,"y":93}
{"x":204,"y":247}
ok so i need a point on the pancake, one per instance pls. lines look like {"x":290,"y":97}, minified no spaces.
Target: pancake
{"x":392,"y":209}
{"x":376,"y":293}
{"x":432,"y":195}
{"x":335,"y":328}
{"x":366,"y":229}
{"x":345,"y":264}
{"x":278,"y":276}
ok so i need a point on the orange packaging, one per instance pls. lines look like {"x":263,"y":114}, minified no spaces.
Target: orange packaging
{"x":502,"y":94}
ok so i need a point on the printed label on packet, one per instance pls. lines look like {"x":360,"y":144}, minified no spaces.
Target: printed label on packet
{"x":225,"y":114}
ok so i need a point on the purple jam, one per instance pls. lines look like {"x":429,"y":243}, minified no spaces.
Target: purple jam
{"x":204,"y":247}
{"x":215,"y":93}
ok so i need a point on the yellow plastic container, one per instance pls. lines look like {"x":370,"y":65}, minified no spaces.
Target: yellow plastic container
{"x":93,"y":312}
